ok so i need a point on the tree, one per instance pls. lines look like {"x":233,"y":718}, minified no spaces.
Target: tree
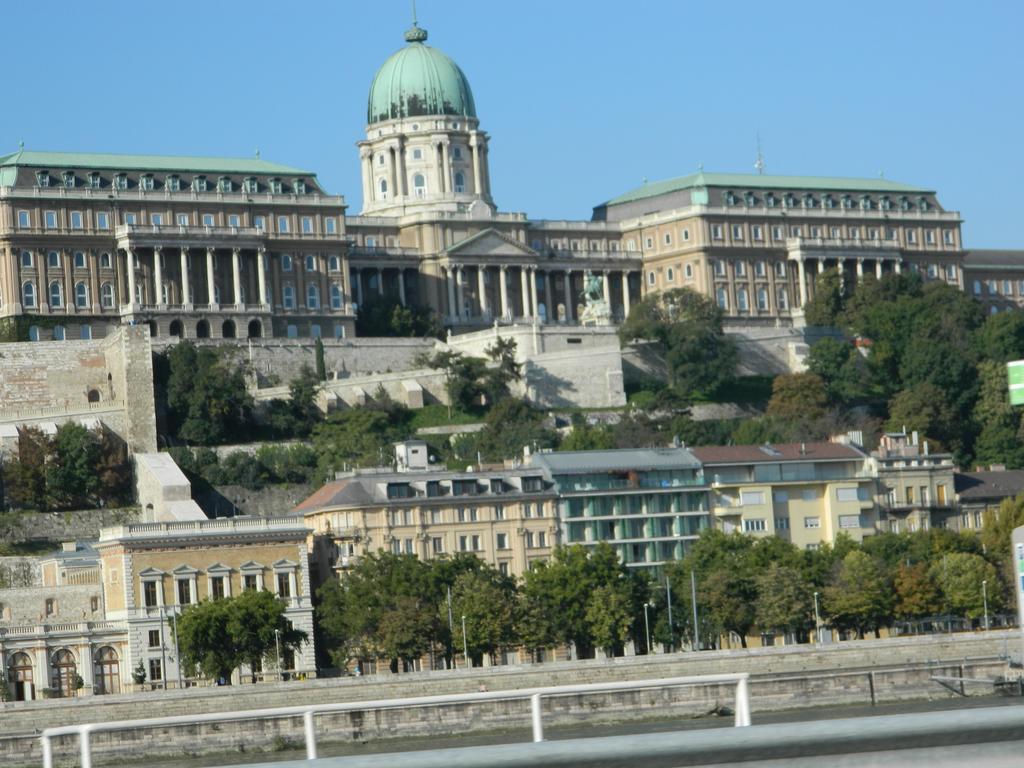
{"x":826,"y":306}
{"x":859,"y":596}
{"x":463,"y":377}
{"x":509,"y":426}
{"x":585,"y":437}
{"x":487,"y":600}
{"x":925,"y":409}
{"x":71,"y":474}
{"x":960,"y":576}
{"x":26,"y":474}
{"x":505,"y":369}
{"x":302,"y":402}
{"x":797,"y":396}
{"x":609,"y":617}
{"x":688,"y":328}
{"x":1000,"y":339}
{"x":843,"y":368}
{"x":217,"y":636}
{"x":356,"y":437}
{"x":784,"y":599}
{"x":207,"y":399}
{"x":385,"y":316}
{"x":917,"y":593}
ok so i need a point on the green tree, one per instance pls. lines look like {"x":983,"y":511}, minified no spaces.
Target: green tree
{"x":385,"y":316}
{"x":844,"y":370}
{"x":826,"y":306}
{"x":917,"y":593}
{"x":1000,"y":338}
{"x":688,"y":328}
{"x":924,"y":408}
{"x":510,"y":426}
{"x":797,"y":396}
{"x":504,"y":371}
{"x":585,"y":437}
{"x":26,"y":474}
{"x":859,"y":596}
{"x":71,"y":477}
{"x":207,"y":399}
{"x":356,"y":437}
{"x":960,"y":576}
{"x":609,"y":617}
{"x":784,"y":600}
{"x":487,"y":600}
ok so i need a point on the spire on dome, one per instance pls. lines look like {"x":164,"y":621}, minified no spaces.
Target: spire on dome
{"x":415,"y":34}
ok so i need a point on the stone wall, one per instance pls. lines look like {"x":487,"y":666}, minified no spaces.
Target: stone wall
{"x":24,"y":606}
{"x":781,"y":678}
{"x":82,"y":525}
{"x":20,"y":571}
{"x":272,"y":501}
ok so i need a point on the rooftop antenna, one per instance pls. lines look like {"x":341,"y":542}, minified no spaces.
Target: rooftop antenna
{"x":414,"y":13}
{"x":759,"y":163}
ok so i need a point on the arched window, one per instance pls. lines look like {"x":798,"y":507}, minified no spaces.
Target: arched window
{"x":53,"y":259}
{"x":460,"y":182}
{"x":63,"y":673}
{"x":56,"y":295}
{"x":742,"y":302}
{"x":59,"y":333}
{"x":288,"y":297}
{"x":419,"y":185}
{"x":383,"y":188}
{"x":79,"y":259}
{"x":782,"y":297}
{"x":255,"y":329}
{"x":286,"y":262}
{"x":336,"y":297}
{"x":33,"y":333}
{"x":176,"y":329}
{"x":228,"y":329}
{"x":314,"y":331}
{"x":333,"y":263}
{"x":292,"y":331}
{"x":19,"y":673}
{"x":107,"y":296}
{"x":762,"y":299}
{"x":310,"y":262}
{"x":312,"y":297}
{"x":93,"y":396}
{"x":81,"y":295}
{"x":26,"y":258}
{"x":202,"y":329}
{"x":28,"y":295}
{"x":722,"y":296}
{"x":105,"y":261}
{"x":107,"y":674}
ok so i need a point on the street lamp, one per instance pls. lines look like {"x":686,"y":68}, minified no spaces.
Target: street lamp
{"x":817,"y":621}
{"x":277,"y":647}
{"x":465,"y":645}
{"x":984,"y":596}
{"x":647,"y":626}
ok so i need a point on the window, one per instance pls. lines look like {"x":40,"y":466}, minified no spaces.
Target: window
{"x":846,"y":494}
{"x":156,"y":672}
{"x":670,"y":275}
{"x":742,"y":303}
{"x":76,"y":219}
{"x":812,"y":522}
{"x":795,"y":232}
{"x":79,"y":259}
{"x":755,"y":232}
{"x":419,"y":185}
{"x":95,"y":181}
{"x":740,"y":268}
{"x":754,"y":525}
{"x":782,"y":523}
{"x":298,"y":186}
{"x":947,"y":236}
{"x":668,"y":238}
{"x":224,"y":184}
{"x":216,"y":587}
{"x":282,"y":224}
{"x":383,"y":187}
{"x":260,"y":222}
{"x":173,"y":184}
{"x":751,"y":497}
{"x":651,"y":279}
{"x":333,"y":264}
{"x":499,"y":511}
{"x":780,"y":269}
{"x":719,"y":268}
{"x":26,"y":259}
{"x":107,"y":296}
{"x":154,"y":638}
{"x":53,"y":260}
{"x":685,"y":234}
{"x":330,"y":225}
{"x":286,"y":262}
{"x":292,"y":331}
{"x":760,"y":270}
{"x":716,"y":231}
{"x":24,"y":219}
{"x":437,"y":545}
{"x":312,"y":297}
{"x":50,"y":219}
{"x":460,"y":182}
{"x":762,"y":299}
{"x":288,"y":297}
{"x":310,"y":262}
{"x":284,"y":586}
{"x":199,"y":184}
{"x":1007,"y":288}
{"x":929,"y":236}
{"x":782,"y":297}
{"x":102,"y":220}
{"x":911,"y":236}
{"x":249,"y":582}
{"x":336,"y":296}
{"x":234,"y":220}
{"x":737,"y":232}
{"x":43,"y":178}
{"x":688,"y":271}
{"x":307,"y":225}
{"x":722,"y":297}
{"x":58,"y":333}
{"x":121,"y":181}
{"x":81,"y":295}
{"x":85,"y":332}
{"x":149,"y":594}
{"x":872,"y":233}
{"x":156,"y":219}
{"x":184,"y":591}
{"x":849,"y":521}
{"x":146,"y":182}
{"x":56,"y":295}
{"x":501,"y":541}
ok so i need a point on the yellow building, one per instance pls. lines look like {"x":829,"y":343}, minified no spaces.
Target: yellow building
{"x":806,"y":493}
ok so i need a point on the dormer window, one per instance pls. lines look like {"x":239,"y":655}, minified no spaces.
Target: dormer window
{"x":885,"y":203}
{"x":828,"y":202}
{"x":95,"y":181}
{"x":904,"y":203}
{"x":146,"y":182}
{"x":224,"y":184}
{"x":865,"y":203}
{"x":789,"y":200}
{"x":846,"y":202}
{"x":252,"y":185}
{"x":69,"y":179}
{"x":43,"y":178}
{"x":922,"y":204}
{"x":199,"y":184}
{"x":769,"y":200}
{"x":275,"y":186}
{"x":730,"y":198}
{"x":173,"y":184}
{"x":809,"y":201}
{"x":750,"y":199}
{"x":121,"y":181}
{"x":299,"y":186}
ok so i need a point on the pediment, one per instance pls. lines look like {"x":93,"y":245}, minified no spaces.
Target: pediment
{"x":490,"y":243}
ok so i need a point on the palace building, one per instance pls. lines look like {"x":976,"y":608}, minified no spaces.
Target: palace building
{"x":235,"y":248}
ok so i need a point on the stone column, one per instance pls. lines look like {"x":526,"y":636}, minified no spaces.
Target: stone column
{"x":878,"y":268}
{"x":158,"y":276}
{"x":607,"y":288}
{"x":402,"y":184}
{"x":568,"y":295}
{"x":821,"y":266}
{"x":460,"y":291}
{"x":503,"y":289}
{"x":898,"y":266}
{"x":860,"y":269}
{"x":802,"y":280}
{"x":401,"y":285}
{"x":211,"y":296}
{"x":547,"y":297}
{"x":474,"y":145}
{"x":186,"y":292}
{"x":368,"y":190}
{"x":261,"y":277}
{"x":358,"y":286}
{"x":524,"y":291}
{"x":446,"y":168}
{"x":533,"y":293}
{"x":131,"y":279}
{"x":625,"y":293}
{"x":481,"y":290}
{"x":450,"y":280}
{"x":380,"y":281}
{"x":236,"y":275}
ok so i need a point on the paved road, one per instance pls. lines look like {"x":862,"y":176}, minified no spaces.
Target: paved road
{"x":935,"y":758}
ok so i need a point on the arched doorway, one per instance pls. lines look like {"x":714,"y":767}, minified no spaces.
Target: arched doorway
{"x":19,"y":674}
{"x":63,"y":673}
{"x":93,"y":396}
{"x":202,"y":330}
{"x":228,"y":329}
{"x":255,"y":329}
{"x":176,"y":329}
{"x":108,"y":671}
{"x":152,"y":329}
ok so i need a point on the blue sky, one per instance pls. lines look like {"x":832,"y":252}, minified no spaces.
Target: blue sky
{"x":582,"y":100}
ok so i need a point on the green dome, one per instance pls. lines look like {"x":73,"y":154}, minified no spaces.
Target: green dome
{"x":419,"y":80}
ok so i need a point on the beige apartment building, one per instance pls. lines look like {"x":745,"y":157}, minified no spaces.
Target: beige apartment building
{"x":806,"y":493}
{"x":915,"y":486}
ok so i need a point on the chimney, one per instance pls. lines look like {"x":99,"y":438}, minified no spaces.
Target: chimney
{"x":69,"y":546}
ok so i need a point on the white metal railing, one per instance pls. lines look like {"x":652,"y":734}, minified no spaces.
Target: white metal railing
{"x":309,"y":712}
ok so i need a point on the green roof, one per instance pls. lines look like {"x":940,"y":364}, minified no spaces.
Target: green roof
{"x":419,"y":80}
{"x":759,"y":181}
{"x":177,"y":163}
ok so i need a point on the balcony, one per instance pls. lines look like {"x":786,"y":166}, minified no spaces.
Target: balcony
{"x":114,"y":196}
